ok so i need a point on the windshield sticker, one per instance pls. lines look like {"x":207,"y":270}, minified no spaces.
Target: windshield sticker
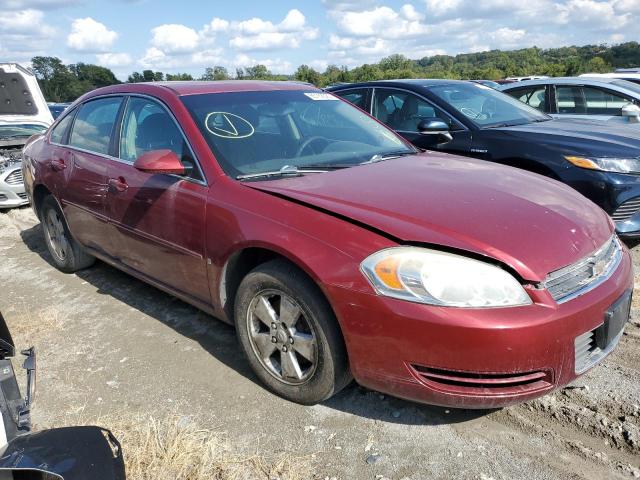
{"x":228,"y":125}
{"x":320,"y":96}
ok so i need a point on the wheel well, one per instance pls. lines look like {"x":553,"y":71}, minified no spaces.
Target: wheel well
{"x":236,"y":268}
{"x":531,"y":166}
{"x":39,"y":194}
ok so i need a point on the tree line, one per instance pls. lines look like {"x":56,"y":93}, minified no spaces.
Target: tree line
{"x":63,"y":83}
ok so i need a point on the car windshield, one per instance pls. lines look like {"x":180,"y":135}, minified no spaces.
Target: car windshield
{"x":487,"y":107}
{"x":18,"y":130}
{"x":256,"y":132}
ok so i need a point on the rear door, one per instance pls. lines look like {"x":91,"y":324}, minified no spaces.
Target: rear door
{"x":158,"y":220}
{"x":83,"y":162}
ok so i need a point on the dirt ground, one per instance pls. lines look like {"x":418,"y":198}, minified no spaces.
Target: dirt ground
{"x":110,"y":345}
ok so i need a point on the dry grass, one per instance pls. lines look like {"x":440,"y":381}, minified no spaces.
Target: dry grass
{"x":29,"y":324}
{"x":176,"y":448}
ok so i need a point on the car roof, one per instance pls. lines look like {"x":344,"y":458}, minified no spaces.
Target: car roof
{"x":417,"y":82}
{"x":567,"y":81}
{"x":200,"y":87}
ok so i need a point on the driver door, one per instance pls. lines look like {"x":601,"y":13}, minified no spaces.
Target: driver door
{"x":158,"y":220}
{"x":403,"y":111}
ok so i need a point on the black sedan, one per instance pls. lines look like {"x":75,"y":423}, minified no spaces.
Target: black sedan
{"x":600,"y":161}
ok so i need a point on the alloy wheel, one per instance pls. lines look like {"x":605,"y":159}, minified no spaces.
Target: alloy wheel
{"x":282,"y":338}
{"x":56,"y":235}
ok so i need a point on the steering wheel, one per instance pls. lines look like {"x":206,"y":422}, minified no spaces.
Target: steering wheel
{"x":471,"y":113}
{"x":307,"y":143}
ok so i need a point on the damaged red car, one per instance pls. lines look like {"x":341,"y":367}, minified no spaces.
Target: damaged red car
{"x":337,"y":249}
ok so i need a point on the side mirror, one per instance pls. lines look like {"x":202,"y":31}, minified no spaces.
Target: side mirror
{"x":436,"y":128}
{"x":159,"y":161}
{"x":632,"y":112}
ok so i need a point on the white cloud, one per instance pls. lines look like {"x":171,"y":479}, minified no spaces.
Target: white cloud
{"x":88,"y":35}
{"x":39,"y":4}
{"x":22,"y":21}
{"x":174,"y":38}
{"x":293,"y":22}
{"x":19,"y":40}
{"x":114,"y":60}
{"x":259,"y":34}
{"x":383,"y":22}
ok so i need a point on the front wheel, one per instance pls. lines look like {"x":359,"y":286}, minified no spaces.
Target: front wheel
{"x":67,"y":254}
{"x":289,"y":334}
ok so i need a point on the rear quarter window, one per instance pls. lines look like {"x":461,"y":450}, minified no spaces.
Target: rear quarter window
{"x":59,"y":132}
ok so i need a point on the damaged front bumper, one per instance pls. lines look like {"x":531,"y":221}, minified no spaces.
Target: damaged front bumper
{"x":12,"y":191}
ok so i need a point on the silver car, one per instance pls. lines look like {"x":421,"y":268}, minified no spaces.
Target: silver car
{"x":601,"y":99}
{"x":23,"y":112}
{"x":12,"y":192}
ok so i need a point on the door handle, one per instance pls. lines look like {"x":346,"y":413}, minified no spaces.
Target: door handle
{"x":118,"y":184}
{"x":58,"y":164}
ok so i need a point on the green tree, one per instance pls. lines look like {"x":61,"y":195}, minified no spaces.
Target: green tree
{"x":395,"y":62}
{"x":57,"y":83}
{"x":307,"y":74}
{"x":598,"y":65}
{"x":257,"y":72}
{"x":215,"y":73}
{"x":178,"y":76}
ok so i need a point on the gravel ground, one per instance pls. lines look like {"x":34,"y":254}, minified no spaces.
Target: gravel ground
{"x":110,"y":345}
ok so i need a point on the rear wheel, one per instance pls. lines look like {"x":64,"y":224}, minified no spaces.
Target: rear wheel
{"x":289,"y":334}
{"x":67,"y":254}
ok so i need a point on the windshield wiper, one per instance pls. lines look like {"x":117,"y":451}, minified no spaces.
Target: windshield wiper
{"x":387,"y":156}
{"x":287,"y":170}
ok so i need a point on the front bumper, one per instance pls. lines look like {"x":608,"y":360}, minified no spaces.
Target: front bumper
{"x":610,"y":191}
{"x":471,"y":358}
{"x":12,"y":194}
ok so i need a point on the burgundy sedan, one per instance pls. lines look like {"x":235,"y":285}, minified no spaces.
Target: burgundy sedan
{"x":337,"y":249}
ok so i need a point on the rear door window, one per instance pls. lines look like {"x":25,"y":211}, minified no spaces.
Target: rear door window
{"x":357,"y":97}
{"x":93,"y":127}
{"x":570,"y":100}
{"x":534,"y":97}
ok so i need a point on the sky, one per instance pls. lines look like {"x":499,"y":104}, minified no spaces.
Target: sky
{"x":187,"y":36}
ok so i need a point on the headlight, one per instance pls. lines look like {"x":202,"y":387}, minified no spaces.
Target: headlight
{"x":607,"y":164}
{"x":439,"y":278}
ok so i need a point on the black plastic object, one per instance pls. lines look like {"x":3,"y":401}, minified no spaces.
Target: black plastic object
{"x":7,"y":348}
{"x":70,"y":453}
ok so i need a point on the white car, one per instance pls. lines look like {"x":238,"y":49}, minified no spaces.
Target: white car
{"x":23,"y":112}
{"x":600,"y":99}
{"x":629,"y":76}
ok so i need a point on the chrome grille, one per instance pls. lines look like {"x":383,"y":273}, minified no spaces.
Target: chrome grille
{"x":627,"y":210}
{"x":586,"y":274}
{"x":14,"y":178}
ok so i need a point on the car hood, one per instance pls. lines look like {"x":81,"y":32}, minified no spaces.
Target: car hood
{"x":531,"y":223}
{"x":584,"y":136}
{"x":22,"y":100}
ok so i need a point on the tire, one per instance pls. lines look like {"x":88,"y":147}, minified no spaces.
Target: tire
{"x":312,"y":338}
{"x":67,"y":254}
